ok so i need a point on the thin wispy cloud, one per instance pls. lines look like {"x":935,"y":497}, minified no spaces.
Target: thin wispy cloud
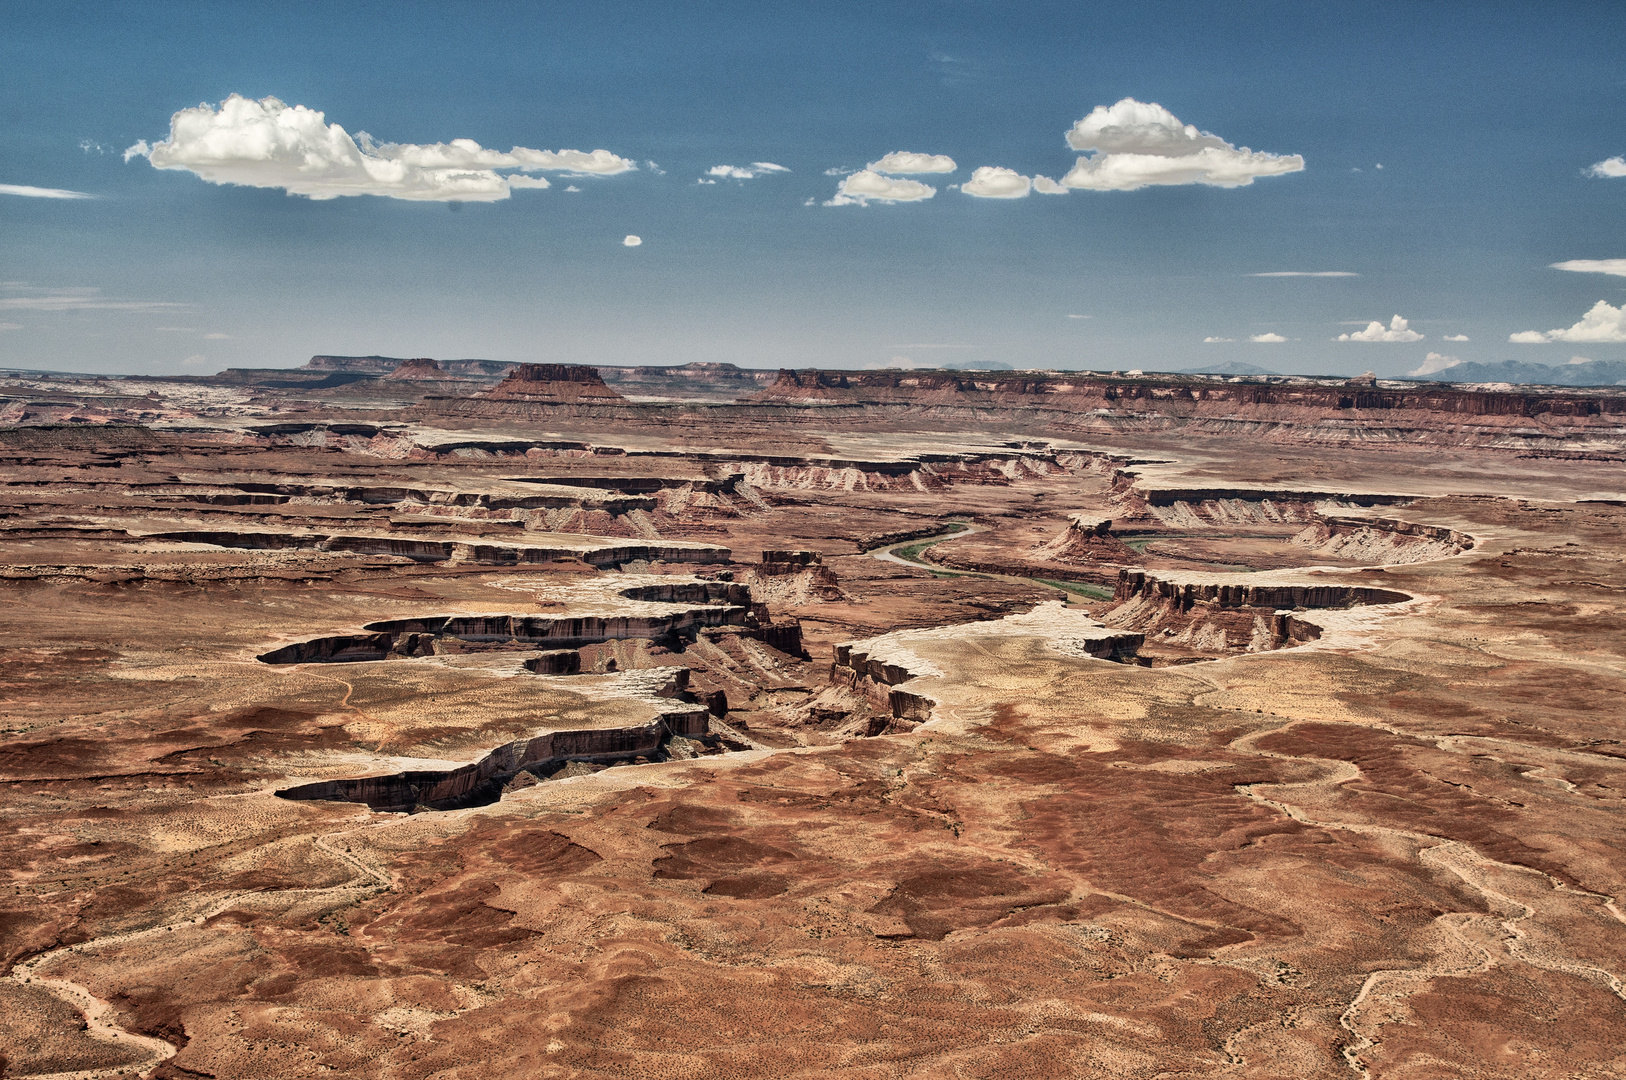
{"x":11,"y":326}
{"x":1603,"y":323}
{"x":268,"y":144}
{"x":950,"y":345}
{"x":745,"y":172}
{"x":29,"y":192}
{"x":1398,"y":330}
{"x":82,"y":299}
{"x":1307,"y":273}
{"x":1217,"y":340}
{"x":1615,"y":267}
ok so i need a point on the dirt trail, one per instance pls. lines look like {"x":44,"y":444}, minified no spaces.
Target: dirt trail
{"x":98,"y":1012}
{"x":1474,"y":933}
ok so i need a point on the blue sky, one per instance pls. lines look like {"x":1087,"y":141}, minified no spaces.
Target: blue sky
{"x":1485,"y":119}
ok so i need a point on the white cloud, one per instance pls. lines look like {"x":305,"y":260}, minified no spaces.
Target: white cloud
{"x":1307,"y":273}
{"x":1081,"y":316}
{"x":574,"y":188}
{"x":1267,"y":339}
{"x":1604,"y":323}
{"x":195,"y":360}
{"x":217,"y":337}
{"x":862,"y":186}
{"x":1435,"y":362}
{"x":1609,"y":168}
{"x":1137,"y":144}
{"x":1580,"y":359}
{"x":1397,"y":331}
{"x":1217,"y":340}
{"x":654,"y":168}
{"x":1615,"y":267}
{"x":738,"y":172}
{"x":905,"y":161}
{"x":34,"y":299}
{"x":839,"y":172}
{"x":272,"y":145}
{"x":632,"y":241}
{"x":91,"y":146}
{"x":1455,"y":337}
{"x":993,"y":182}
{"x":11,"y":326}
{"x":42,"y":192}
{"x":1046,"y":186}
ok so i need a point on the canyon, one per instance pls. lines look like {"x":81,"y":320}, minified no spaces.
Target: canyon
{"x":408,"y":718}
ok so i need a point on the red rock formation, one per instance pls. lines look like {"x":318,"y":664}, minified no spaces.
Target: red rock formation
{"x":422,"y":369}
{"x":563,"y":383}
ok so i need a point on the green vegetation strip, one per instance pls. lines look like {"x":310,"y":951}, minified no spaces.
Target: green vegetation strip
{"x":912,"y":552}
{"x":1094,"y":592}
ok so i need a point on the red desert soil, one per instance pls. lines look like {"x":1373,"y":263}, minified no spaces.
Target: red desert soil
{"x":404,"y":720}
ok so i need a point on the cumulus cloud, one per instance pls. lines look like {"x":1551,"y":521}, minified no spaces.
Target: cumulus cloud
{"x":1608,"y":168}
{"x":993,"y":182}
{"x":1267,"y":339}
{"x":864,"y":185}
{"x":905,"y":161}
{"x":1046,"y":186}
{"x":632,"y":241}
{"x":1435,"y":362}
{"x":1138,"y":144}
{"x":742,"y":172}
{"x":1604,"y":323}
{"x":1217,"y":340}
{"x":28,"y":192}
{"x":1615,"y":267}
{"x":1307,"y":273}
{"x":1397,"y":330}
{"x":269,"y":144}
{"x":1455,"y":337}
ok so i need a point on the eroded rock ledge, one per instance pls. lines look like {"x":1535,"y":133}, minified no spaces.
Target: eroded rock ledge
{"x":881,"y":668}
{"x":648,"y":608}
{"x":1219,"y":614}
{"x":540,"y":756}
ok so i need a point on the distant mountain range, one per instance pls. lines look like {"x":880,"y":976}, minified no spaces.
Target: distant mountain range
{"x":1591,"y":373}
{"x":1230,"y":367}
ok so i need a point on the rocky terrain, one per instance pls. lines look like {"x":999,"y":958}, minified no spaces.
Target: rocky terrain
{"x":407,"y":718}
